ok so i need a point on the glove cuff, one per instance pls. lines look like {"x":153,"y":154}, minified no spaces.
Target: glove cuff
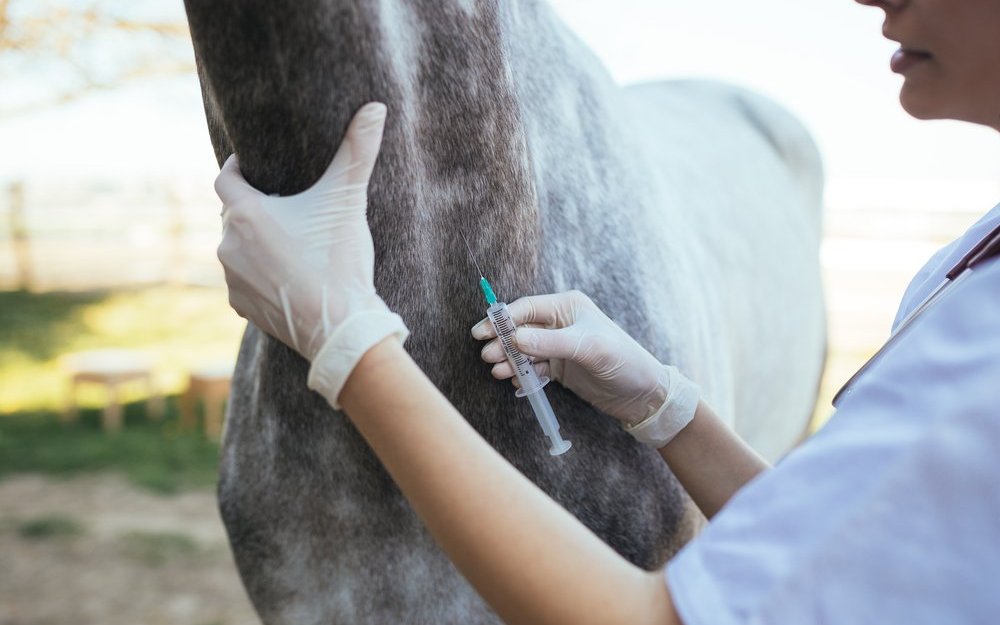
{"x":342,"y":351}
{"x":673,"y":416}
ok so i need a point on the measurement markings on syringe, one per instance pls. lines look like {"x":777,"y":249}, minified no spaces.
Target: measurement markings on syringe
{"x":506,"y":332}
{"x":530,"y":384}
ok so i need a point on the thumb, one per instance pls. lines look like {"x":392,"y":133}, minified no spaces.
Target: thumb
{"x":230,"y":185}
{"x":545,"y":344}
{"x":355,"y":158}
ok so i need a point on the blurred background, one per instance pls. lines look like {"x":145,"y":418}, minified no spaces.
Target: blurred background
{"x":116,"y":339}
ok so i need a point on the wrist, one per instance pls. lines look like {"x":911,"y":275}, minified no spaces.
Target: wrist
{"x":373,"y":363}
{"x":653,"y":401}
{"x":674,"y":412}
{"x":347,"y":345}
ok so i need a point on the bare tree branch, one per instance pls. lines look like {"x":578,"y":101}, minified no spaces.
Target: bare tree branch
{"x":71,"y":50}
{"x":3,"y":19}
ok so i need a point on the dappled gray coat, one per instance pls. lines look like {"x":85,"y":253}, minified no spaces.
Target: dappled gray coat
{"x":688,"y":211}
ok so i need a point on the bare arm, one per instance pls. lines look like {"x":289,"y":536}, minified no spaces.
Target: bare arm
{"x":526,"y":556}
{"x":711,"y":461}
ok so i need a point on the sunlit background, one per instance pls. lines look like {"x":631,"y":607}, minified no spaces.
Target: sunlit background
{"x":108,"y":227}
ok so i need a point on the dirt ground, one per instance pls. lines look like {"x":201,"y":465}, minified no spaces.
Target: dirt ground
{"x":97,"y":550}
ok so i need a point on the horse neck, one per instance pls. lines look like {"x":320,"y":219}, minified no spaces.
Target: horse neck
{"x":281,"y":85}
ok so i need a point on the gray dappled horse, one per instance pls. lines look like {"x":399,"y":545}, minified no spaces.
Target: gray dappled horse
{"x":689,"y":211}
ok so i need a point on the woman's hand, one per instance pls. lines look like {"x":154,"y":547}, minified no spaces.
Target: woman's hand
{"x":301,"y":267}
{"x":574,"y":342}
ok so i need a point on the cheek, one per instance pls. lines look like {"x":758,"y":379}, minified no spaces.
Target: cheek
{"x":971,"y":47}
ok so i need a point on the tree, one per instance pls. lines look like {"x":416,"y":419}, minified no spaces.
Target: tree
{"x":55,"y":51}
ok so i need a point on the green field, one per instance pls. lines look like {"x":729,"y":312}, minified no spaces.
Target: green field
{"x":181,"y":328}
{"x":159,"y":456}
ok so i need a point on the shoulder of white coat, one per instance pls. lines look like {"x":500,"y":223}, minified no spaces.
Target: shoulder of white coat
{"x":948,"y":359}
{"x":935,"y":269}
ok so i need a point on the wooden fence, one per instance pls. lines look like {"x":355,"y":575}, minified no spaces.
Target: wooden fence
{"x":93,"y":236}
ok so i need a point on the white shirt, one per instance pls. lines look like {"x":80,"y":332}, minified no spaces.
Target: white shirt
{"x":891,"y":513}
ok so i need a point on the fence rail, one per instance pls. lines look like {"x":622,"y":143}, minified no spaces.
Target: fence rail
{"x":89,"y":237}
{"x":94,"y":236}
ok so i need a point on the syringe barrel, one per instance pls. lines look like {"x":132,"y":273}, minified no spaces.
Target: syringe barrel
{"x":531,"y":384}
{"x":504,"y":325}
{"x":543,"y":412}
{"x":547,"y":419}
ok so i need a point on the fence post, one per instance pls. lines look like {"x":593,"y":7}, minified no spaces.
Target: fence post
{"x":176,"y":256}
{"x":19,"y":236}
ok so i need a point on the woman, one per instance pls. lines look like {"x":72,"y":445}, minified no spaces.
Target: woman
{"x":889,"y":514}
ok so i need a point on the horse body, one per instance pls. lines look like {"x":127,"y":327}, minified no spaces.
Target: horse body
{"x":688,"y":211}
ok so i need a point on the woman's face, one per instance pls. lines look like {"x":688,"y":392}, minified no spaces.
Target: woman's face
{"x":949,"y":57}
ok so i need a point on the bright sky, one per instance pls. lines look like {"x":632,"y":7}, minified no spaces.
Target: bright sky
{"x":826,"y":61}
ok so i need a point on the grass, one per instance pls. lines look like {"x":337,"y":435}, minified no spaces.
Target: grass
{"x":158,"y":456}
{"x":156,"y":548}
{"x":182,"y":327}
{"x":50,"y":526}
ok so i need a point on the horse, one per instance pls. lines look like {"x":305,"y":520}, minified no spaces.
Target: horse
{"x":689,"y":211}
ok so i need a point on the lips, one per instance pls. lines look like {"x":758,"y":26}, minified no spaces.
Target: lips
{"x":906,"y":58}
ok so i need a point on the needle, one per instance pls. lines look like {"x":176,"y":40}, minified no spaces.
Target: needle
{"x":469,"y":247}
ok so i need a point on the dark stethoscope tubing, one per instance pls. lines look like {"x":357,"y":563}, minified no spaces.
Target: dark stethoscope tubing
{"x":987,"y":248}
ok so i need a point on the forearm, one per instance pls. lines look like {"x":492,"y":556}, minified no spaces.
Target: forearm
{"x":711,"y":461}
{"x":529,"y":558}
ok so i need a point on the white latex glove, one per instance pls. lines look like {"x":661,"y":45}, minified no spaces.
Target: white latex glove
{"x":301,"y":267}
{"x":571,"y":340}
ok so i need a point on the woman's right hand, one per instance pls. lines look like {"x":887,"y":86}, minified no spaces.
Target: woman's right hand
{"x":571,"y":340}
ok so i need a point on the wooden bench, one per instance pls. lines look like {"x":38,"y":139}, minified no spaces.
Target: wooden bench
{"x":112,"y":369}
{"x":208,"y":385}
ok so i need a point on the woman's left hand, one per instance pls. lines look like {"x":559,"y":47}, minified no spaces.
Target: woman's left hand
{"x":301,"y":267}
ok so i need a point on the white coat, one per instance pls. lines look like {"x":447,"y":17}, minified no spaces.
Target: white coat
{"x":891,"y":513}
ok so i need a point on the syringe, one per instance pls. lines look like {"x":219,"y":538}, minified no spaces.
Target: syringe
{"x":531,"y":384}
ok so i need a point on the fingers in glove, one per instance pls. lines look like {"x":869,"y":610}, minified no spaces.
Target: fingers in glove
{"x":493,"y":351}
{"x":543,"y":369}
{"x":504,"y":371}
{"x":355,"y":159}
{"x":483,"y":330}
{"x":555,"y":310}
{"x":545,"y":344}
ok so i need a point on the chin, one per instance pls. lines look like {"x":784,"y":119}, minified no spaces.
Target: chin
{"x":920,"y":106}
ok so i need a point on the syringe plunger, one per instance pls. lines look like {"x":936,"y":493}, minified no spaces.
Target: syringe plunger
{"x":531,"y":384}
